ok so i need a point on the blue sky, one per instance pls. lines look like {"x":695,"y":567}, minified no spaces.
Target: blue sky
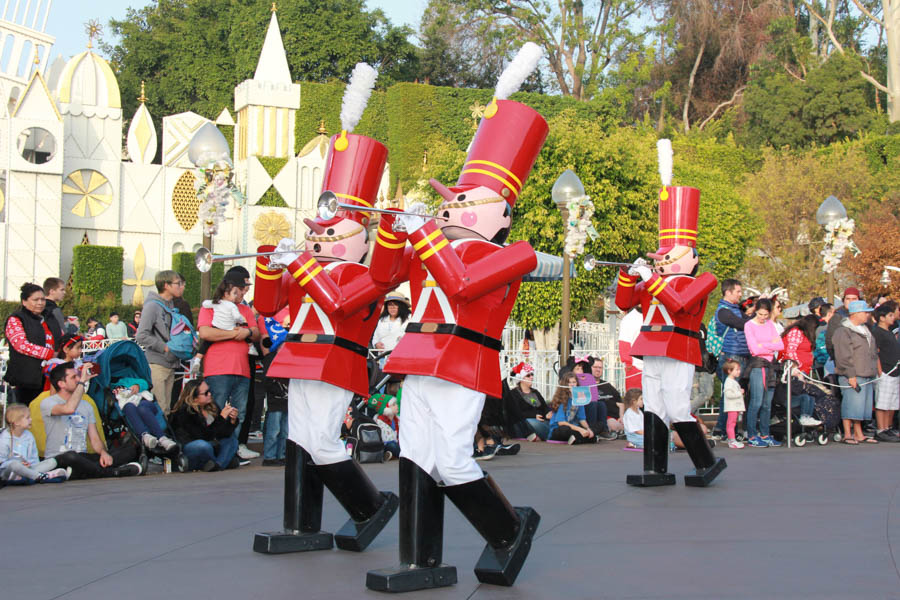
{"x":67,"y":18}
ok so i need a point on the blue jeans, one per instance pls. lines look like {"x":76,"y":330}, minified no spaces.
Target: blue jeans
{"x":394,"y":448}
{"x":760,"y":408}
{"x":142,"y":418}
{"x":723,"y":416}
{"x":541,"y":428}
{"x":233,"y":389}
{"x":275,"y":434}
{"x":199,"y":452}
{"x":595,"y":413}
{"x":806,"y":403}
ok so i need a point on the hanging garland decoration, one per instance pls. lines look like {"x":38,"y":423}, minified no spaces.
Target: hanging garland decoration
{"x":578,"y":225}
{"x":837,"y":241}
{"x":215,"y":189}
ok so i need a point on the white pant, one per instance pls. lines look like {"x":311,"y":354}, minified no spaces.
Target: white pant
{"x":667,"y":388}
{"x":438,"y":420}
{"x":316,"y":411}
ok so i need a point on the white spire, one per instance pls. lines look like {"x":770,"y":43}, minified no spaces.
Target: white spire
{"x":273,"y":66}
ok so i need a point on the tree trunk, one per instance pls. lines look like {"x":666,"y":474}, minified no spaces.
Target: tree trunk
{"x":892,"y":33}
{"x":687,"y":98}
{"x":661,"y":122}
{"x":814,"y":36}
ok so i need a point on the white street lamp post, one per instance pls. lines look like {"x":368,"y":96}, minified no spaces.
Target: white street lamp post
{"x":829,"y":211}
{"x":566,"y":188}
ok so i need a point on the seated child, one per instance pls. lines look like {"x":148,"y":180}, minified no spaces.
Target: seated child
{"x":276,"y":423}
{"x":633,"y":419}
{"x":566,"y":418}
{"x":68,"y":349}
{"x":387,"y":408}
{"x":226,"y":315}
{"x":19,"y":461}
{"x":136,"y":402}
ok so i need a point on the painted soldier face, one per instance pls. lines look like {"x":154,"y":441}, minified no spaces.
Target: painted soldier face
{"x":344,"y":240}
{"x":680,"y":260}
{"x":477,"y":213}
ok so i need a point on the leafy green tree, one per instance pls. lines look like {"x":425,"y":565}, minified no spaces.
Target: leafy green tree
{"x":193,"y":52}
{"x":829,"y":105}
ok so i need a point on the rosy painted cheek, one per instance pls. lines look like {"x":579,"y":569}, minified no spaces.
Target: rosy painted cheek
{"x":338,"y":250}
{"x":675,"y":268}
{"x":469,"y":218}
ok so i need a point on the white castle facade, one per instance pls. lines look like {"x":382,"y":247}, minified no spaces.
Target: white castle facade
{"x":64,"y":174}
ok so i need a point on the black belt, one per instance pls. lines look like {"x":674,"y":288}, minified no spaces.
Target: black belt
{"x":457,"y":330}
{"x":681,"y":330}
{"x":321,"y":338}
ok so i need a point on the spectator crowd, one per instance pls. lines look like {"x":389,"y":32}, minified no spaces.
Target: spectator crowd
{"x":840,"y":366}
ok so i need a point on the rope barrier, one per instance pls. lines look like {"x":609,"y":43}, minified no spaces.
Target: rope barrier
{"x":837,"y":385}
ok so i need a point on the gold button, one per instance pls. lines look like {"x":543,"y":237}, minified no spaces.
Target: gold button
{"x":309,"y":337}
{"x":429,"y":327}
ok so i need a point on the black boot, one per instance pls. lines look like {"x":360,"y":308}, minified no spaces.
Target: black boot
{"x":656,"y":455}
{"x":302,"y":509}
{"x":370,"y":510}
{"x":706,"y":466}
{"x":507,"y":530}
{"x":421,"y":537}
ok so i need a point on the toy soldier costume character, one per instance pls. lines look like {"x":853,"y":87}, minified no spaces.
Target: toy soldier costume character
{"x":463,"y":285}
{"x":672,"y":300}
{"x":334,"y":307}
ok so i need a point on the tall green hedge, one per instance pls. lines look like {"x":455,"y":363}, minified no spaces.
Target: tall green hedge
{"x":97,"y":271}
{"x":411,"y":118}
{"x":183,"y":262}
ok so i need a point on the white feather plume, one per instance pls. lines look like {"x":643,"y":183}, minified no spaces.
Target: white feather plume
{"x":356,"y":96}
{"x":518,"y":70}
{"x":664,"y":156}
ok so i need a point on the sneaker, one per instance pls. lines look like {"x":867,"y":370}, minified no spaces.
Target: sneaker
{"x":58,"y":474}
{"x":272,"y":462}
{"x":808,"y":421}
{"x":246,"y":453}
{"x":68,"y":473}
{"x":243,"y":462}
{"x":770,"y":441}
{"x":487,"y":454}
{"x":255,"y":435}
{"x":718,"y":436}
{"x":572,"y":439}
{"x":735,"y":444}
{"x":775,"y":420}
{"x":167,"y":443}
{"x":608,"y":435}
{"x":533,"y":437}
{"x":131,"y":469}
{"x":209,"y":466}
{"x":388,"y":455}
{"x":149,"y":441}
{"x":757,"y":442}
{"x":886,"y":435}
{"x":508,"y":449}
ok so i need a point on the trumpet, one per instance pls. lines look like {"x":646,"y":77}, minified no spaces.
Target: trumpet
{"x":204,"y":259}
{"x":590,"y":262}
{"x":328,"y":206}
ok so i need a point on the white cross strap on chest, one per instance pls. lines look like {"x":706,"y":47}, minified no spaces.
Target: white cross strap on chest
{"x":431,"y":289}
{"x":656,"y":305}
{"x":310,"y":304}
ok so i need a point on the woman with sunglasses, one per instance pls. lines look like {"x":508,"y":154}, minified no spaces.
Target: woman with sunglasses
{"x":204,"y":432}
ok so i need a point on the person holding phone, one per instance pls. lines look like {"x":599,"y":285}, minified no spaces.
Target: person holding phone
{"x":204,"y":431}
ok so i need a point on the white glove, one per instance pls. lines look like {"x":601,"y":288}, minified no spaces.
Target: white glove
{"x":641,"y":267}
{"x":412,"y":222}
{"x":286,"y":253}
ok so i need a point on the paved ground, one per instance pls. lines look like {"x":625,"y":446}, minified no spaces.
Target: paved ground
{"x":813,"y":522}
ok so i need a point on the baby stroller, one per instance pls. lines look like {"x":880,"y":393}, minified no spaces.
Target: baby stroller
{"x":126,"y":359}
{"x":824,"y":411}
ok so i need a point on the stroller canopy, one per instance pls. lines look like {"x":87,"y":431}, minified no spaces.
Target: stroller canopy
{"x":121,"y":359}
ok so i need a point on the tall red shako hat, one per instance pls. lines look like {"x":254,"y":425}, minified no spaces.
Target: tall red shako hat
{"x":355,"y":163}
{"x":679,"y":207}
{"x":508,"y":140}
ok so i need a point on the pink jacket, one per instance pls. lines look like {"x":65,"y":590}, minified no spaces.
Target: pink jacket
{"x":763,"y":340}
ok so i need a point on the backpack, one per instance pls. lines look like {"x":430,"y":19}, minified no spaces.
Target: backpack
{"x":368,"y":446}
{"x":714,"y":341}
{"x":182,"y":339}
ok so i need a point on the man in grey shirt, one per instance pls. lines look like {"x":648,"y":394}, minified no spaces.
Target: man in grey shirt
{"x":153,"y":333}
{"x":70,"y":424}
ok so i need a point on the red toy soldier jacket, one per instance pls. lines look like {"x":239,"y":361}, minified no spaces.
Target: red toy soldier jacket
{"x":334,"y":309}
{"x":673,"y":308}
{"x":462,"y":294}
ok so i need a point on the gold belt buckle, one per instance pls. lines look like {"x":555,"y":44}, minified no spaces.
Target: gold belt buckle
{"x":309,"y":337}
{"x":656,"y":328}
{"x":429,"y":327}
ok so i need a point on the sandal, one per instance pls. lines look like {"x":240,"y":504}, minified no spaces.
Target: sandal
{"x":868,"y":440}
{"x":850,"y":442}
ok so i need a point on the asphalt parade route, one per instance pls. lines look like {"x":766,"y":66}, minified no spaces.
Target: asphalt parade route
{"x":812,"y":522}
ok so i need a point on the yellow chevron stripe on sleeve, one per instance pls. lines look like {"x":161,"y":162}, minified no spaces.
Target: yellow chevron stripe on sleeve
{"x":427,"y":239}
{"x":433,"y":249}
{"x":269,"y":276}
{"x":314,"y":272}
